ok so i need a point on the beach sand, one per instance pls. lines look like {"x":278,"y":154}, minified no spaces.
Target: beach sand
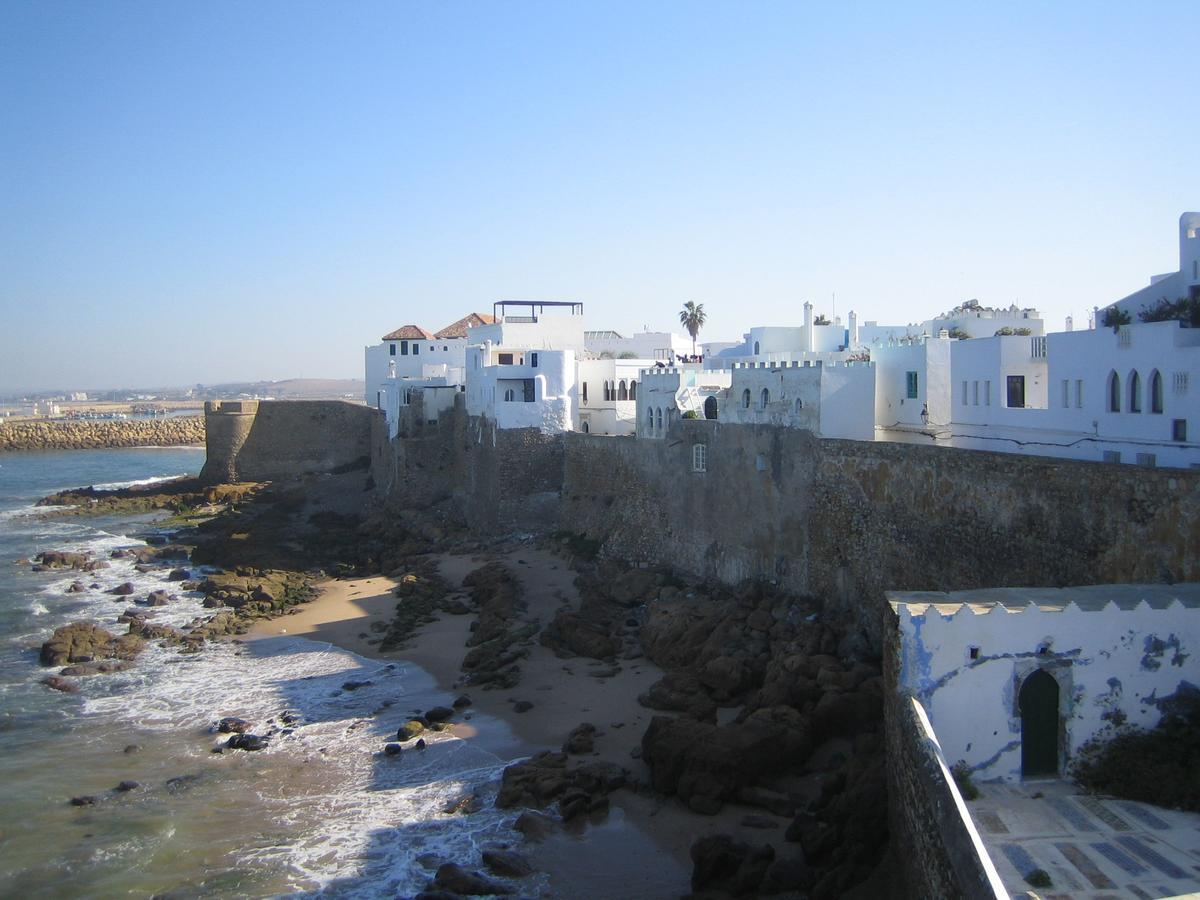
{"x":564,"y":694}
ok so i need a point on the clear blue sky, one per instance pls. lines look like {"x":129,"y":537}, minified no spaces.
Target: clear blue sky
{"x":228,"y":191}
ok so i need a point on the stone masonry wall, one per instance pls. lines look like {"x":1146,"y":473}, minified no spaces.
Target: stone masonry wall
{"x":267,"y":440}
{"x":846,"y":520}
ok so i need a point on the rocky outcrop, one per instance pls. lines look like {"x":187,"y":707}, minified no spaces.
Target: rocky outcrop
{"x":548,"y":778}
{"x":68,"y":434}
{"x":84,"y":642}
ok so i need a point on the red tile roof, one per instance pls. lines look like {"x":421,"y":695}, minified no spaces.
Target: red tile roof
{"x":459,"y":329}
{"x":409,"y":333}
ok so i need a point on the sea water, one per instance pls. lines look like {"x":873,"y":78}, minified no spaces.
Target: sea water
{"x":320,"y":811}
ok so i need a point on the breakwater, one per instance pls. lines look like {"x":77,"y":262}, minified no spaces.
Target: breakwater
{"x":95,"y":435}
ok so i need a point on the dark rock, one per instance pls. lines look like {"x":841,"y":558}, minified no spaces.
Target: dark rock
{"x":158,"y":598}
{"x":680,"y":691}
{"x":62,"y":559}
{"x":464,"y":805}
{"x":719,"y":863}
{"x":534,"y":825}
{"x":246,"y":742}
{"x":232,"y":725}
{"x":507,"y":863}
{"x":132,"y":748}
{"x":126,"y":786}
{"x":789,"y":874}
{"x":522,"y":706}
{"x":179,"y":575}
{"x":77,"y":587}
{"x":756,"y":821}
{"x":775,"y":802}
{"x":122,"y":590}
{"x":98,"y":668}
{"x":420,"y":744}
{"x":409,"y":730}
{"x":582,"y":739}
{"x":83,"y":800}
{"x":454,"y":878}
{"x":439,"y":713}
{"x":355,"y":685}
{"x":461,"y":701}
{"x":58,"y":683}
{"x":571,"y":633}
{"x":392,"y":749}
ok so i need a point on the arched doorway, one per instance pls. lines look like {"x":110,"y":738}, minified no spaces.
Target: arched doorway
{"x":1038,"y":704}
{"x":710,"y":408}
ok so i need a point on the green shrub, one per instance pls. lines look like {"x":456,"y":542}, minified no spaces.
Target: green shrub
{"x":962,"y":777}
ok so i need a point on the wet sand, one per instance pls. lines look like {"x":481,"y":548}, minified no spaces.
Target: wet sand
{"x":564,"y":693}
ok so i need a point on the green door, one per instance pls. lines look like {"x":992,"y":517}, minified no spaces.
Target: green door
{"x":1038,"y":702}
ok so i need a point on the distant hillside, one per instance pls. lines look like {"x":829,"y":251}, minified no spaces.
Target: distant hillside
{"x":292,"y":389}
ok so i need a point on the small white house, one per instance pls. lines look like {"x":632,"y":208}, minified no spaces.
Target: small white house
{"x":1172,"y":286}
{"x":912,"y":389}
{"x":835,"y":400}
{"x":516,"y":387}
{"x":808,"y":342}
{"x":662,"y":346}
{"x":1016,"y":680}
{"x":607,"y":395}
{"x":666,"y":394}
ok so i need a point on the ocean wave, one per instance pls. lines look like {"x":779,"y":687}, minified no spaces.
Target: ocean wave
{"x":139,"y":482}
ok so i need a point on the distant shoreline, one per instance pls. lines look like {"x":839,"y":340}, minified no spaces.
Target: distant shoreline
{"x":92,"y":434}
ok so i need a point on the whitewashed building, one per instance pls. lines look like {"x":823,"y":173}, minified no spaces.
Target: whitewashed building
{"x":1016,"y":680}
{"x":1178,"y":285}
{"x":834,"y":400}
{"x":607,"y":394}
{"x":777,"y":344}
{"x":912,"y":389}
{"x":665,"y":394}
{"x":665,"y":346}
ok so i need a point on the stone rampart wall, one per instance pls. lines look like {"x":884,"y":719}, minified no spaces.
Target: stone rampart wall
{"x":268,"y":440}
{"x":72,"y":434}
{"x":846,"y":520}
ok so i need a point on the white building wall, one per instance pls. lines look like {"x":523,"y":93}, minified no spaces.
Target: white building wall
{"x":552,"y":408}
{"x":415,"y":363}
{"x":646,"y":345}
{"x":1176,"y":285}
{"x":1111,"y":664}
{"x":833,"y":401}
{"x":616,"y":413}
{"x":898,"y":416}
{"x":549,"y":332}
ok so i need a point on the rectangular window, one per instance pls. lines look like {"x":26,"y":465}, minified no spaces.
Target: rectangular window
{"x":505,"y":359}
{"x":533,"y":360}
{"x":1112,"y":456}
{"x":416,"y":348}
{"x":699,"y":458}
{"x":1181,"y":382}
{"x":1066,"y":392}
{"x":1016,"y":391}
{"x":964,"y":393}
{"x":974,"y":393}
{"x":1179,"y":429}
{"x":1149,"y":460}
{"x":404,"y":348}
{"x":1079,"y":393}
{"x":391,"y":349}
{"x":987,"y":393}
{"x":910,"y":385}
{"x":585,"y":392}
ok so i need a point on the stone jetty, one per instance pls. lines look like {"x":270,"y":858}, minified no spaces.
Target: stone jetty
{"x":70,"y":434}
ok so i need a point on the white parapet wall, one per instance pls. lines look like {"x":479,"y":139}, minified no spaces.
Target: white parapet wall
{"x":1114,"y":652}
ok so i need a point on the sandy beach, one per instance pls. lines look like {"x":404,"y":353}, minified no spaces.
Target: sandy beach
{"x":564,"y":693}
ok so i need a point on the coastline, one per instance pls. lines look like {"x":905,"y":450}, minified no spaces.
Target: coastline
{"x":564,"y":694}
{"x":74,"y":434}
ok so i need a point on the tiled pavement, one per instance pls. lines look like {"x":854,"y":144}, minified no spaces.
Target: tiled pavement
{"x":1090,"y":846}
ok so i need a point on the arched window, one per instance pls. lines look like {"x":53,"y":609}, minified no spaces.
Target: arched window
{"x":509,"y":395}
{"x":658,"y":418}
{"x":799,"y":405}
{"x":1156,"y":392}
{"x":584,"y":425}
{"x":1135,"y":392}
{"x":764,"y":398}
{"x":623,"y":391}
{"x":607,"y":391}
{"x":756,"y":348}
{"x":633,"y":390}
{"x":710,"y":408}
{"x":649,"y":420}
{"x":1114,"y":392}
{"x":746,"y":398}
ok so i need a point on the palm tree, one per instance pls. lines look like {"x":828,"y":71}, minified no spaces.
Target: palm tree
{"x":691,"y":317}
